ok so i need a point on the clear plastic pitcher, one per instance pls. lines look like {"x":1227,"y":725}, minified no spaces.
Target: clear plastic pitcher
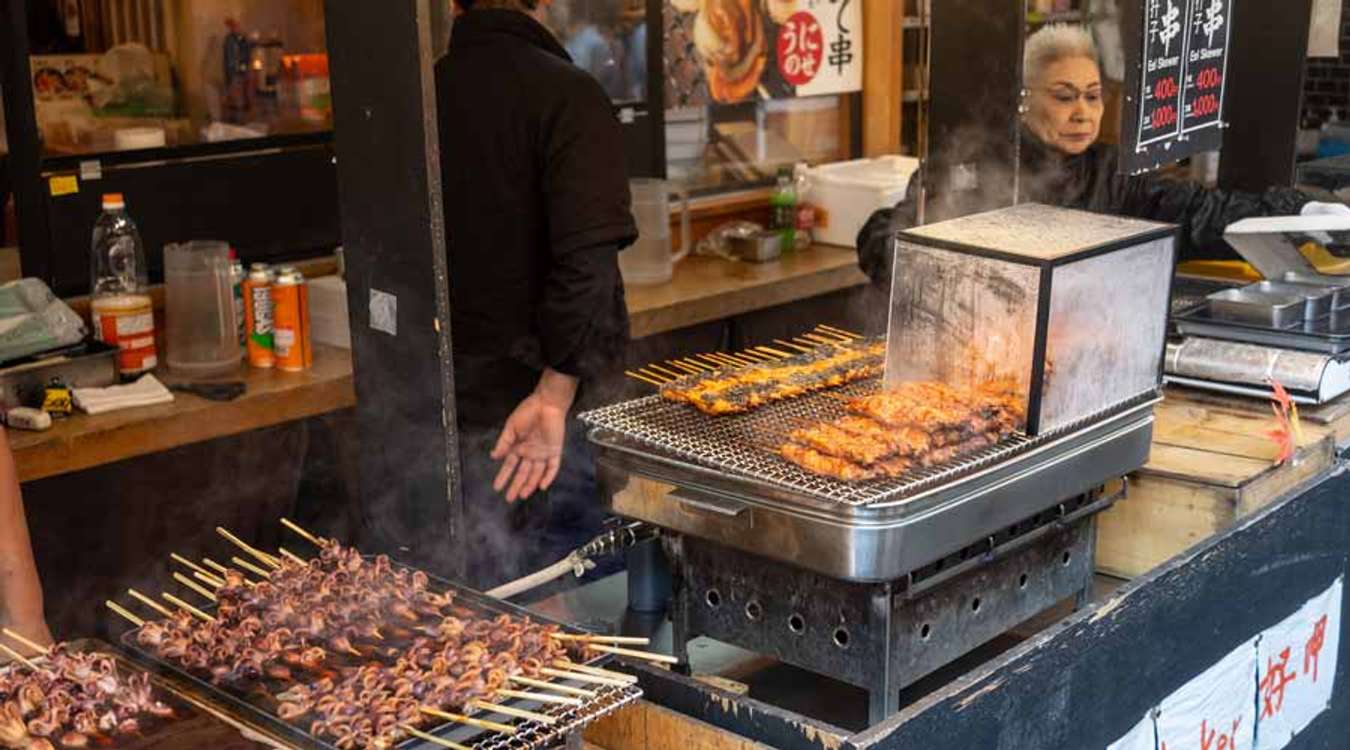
{"x":651,"y":260}
{"x":199,"y":309}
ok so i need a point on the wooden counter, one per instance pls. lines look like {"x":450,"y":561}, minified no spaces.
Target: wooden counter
{"x":704,"y":289}
{"x":707,"y":289}
{"x":1212,"y":464}
{"x":273,"y":397}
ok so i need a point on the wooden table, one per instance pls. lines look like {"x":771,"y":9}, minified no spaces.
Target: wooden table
{"x":273,"y":397}
{"x":1212,"y":464}
{"x":707,"y":289}
{"x":703,"y":289}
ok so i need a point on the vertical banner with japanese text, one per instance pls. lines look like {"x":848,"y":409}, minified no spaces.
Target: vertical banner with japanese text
{"x":1297,"y":661}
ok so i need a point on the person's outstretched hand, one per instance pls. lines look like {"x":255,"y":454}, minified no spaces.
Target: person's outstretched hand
{"x":531,"y":444}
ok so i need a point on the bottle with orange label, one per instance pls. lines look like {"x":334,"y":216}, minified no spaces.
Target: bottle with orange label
{"x":123,"y":314}
{"x":290,"y":319}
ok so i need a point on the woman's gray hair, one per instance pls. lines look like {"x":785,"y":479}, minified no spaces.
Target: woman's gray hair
{"x":1053,"y":43}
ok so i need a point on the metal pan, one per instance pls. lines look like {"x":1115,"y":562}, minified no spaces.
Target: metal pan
{"x":1318,"y":299}
{"x":257,"y":707}
{"x":1254,"y":307}
{"x":1339,"y":286}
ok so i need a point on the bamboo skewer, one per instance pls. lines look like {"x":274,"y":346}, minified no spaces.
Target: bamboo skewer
{"x":433,"y":739}
{"x":559,"y":700}
{"x":170,"y":598}
{"x":289,"y":555}
{"x":582,"y":677}
{"x":840,"y":331}
{"x":668,"y":374}
{"x":647,"y":380}
{"x":211,"y":581}
{"x":265,"y":558}
{"x":518,"y":713}
{"x":16,"y":656}
{"x":250,"y":567}
{"x":790,"y":345}
{"x":701,"y":367}
{"x":817,"y":338}
{"x":197,"y":587}
{"x":542,"y":685}
{"x":307,"y":536}
{"x":591,"y":638}
{"x":20,"y":638}
{"x":491,"y":726}
{"x":633,"y":653}
{"x":682,"y":367}
{"x":151,"y":603}
{"x":773,"y":352}
{"x":598,"y":672}
{"x":212,"y":564}
{"x":133,"y":619}
{"x":187,"y":563}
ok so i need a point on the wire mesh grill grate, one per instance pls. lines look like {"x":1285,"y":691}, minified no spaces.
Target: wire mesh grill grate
{"x":746,"y":444}
{"x":535,"y":735}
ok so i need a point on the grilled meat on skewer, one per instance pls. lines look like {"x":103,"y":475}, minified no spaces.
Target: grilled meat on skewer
{"x":741,"y":389}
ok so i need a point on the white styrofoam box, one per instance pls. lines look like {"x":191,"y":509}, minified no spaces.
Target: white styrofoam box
{"x":328,"y":319}
{"x":850,"y":191}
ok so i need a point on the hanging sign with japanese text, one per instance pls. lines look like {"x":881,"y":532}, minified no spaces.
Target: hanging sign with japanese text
{"x":1175,"y":85}
{"x":1259,"y":696}
{"x":730,"y":51}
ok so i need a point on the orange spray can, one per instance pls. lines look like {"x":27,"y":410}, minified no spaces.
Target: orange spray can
{"x":290,"y":309}
{"x":258,"y":316}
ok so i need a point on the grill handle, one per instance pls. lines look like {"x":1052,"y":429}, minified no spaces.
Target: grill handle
{"x":715,"y":506}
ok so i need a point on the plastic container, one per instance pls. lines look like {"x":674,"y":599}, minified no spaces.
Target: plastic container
{"x":202,"y":337}
{"x":848,"y":192}
{"x":117,"y":264}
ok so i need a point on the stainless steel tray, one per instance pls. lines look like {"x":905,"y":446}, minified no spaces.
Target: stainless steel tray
{"x":1318,"y":299}
{"x":870,"y":541}
{"x":1258,"y":307}
{"x":1329,"y":334}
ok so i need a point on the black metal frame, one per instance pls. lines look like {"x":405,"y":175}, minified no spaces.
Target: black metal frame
{"x":394,"y":232}
{"x":25,"y":148}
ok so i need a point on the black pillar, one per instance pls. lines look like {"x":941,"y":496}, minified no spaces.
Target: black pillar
{"x":25,"y":145}
{"x":1265,"y":93}
{"x":394,"y":239}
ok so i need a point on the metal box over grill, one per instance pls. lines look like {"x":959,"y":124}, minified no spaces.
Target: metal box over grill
{"x":1067,"y":309}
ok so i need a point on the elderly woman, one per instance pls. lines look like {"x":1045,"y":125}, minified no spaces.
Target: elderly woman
{"x":1063,"y":164}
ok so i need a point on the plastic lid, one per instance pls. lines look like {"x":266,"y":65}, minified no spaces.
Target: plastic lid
{"x":113,"y":201}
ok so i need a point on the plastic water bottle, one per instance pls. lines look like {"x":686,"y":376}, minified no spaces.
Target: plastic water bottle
{"x":122,"y":311}
{"x":117,"y":265}
{"x":784,"y":205}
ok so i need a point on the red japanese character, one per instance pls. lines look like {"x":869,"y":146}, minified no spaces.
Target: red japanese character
{"x":1208,"y":737}
{"x":1275,"y":682}
{"x":1312,"y":652}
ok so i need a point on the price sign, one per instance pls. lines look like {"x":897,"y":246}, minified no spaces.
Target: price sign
{"x":1164,"y":53}
{"x":1175,"y":87}
{"x":1206,"y":64}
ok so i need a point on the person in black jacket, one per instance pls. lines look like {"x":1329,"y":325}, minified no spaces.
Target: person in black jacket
{"x":536,"y":211}
{"x":1062,"y":163}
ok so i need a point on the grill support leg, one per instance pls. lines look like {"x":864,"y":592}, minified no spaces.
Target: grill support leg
{"x":883,"y":697}
{"x":681,"y":627}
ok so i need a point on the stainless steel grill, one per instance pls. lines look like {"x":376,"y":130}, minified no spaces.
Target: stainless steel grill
{"x":746,"y":444}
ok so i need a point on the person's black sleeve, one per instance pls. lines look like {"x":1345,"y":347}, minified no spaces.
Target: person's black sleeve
{"x":875,"y":252}
{"x":582,"y":319}
{"x":1202,"y":213}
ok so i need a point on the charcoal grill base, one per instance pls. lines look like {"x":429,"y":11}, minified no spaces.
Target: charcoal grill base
{"x":881,"y":637}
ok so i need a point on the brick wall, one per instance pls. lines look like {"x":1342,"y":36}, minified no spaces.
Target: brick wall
{"x":1328,"y":84}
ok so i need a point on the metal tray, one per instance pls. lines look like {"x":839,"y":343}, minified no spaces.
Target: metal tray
{"x":1339,"y":285}
{"x":253,"y":704}
{"x":1256,"y":307}
{"x":1318,"y":299}
{"x":1329,"y":334}
{"x":869,"y":541}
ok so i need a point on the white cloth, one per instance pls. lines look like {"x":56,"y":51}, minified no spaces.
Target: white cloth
{"x":147,"y":391}
{"x":1316,"y":208}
